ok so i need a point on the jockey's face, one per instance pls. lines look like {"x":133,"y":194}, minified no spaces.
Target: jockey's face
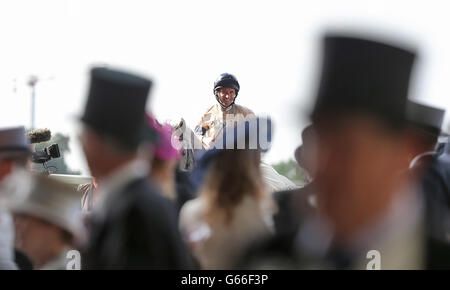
{"x":226,"y":96}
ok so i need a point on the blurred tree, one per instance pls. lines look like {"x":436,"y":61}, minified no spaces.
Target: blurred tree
{"x":56,"y":165}
{"x":291,"y":170}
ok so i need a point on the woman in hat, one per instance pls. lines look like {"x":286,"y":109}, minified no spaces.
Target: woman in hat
{"x":164,"y":163}
{"x":48,"y":223}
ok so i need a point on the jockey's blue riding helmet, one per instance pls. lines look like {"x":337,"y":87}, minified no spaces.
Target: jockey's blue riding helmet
{"x":226,"y":80}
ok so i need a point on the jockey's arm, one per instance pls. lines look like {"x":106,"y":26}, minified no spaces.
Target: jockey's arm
{"x":201,"y":130}
{"x":202,"y":126}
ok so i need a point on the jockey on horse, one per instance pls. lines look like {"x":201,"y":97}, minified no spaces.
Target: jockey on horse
{"x":224,"y":113}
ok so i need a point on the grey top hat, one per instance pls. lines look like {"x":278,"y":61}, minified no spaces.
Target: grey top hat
{"x":13,"y":142}
{"x":425,"y":117}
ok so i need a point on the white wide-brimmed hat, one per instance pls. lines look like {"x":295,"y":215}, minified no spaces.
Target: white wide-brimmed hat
{"x":53,"y":201}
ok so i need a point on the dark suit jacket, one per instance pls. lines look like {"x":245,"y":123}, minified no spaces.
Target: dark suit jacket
{"x":281,"y":251}
{"x":139,"y":232}
{"x":436,"y":189}
{"x":293,"y":208}
{"x":436,"y":181}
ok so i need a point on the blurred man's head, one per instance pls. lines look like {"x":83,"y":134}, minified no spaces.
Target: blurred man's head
{"x":359,"y":168}
{"x":14,"y":150}
{"x":359,"y":120}
{"x":103,"y":154}
{"x":114,"y":123}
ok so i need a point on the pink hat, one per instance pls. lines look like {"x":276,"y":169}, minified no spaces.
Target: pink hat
{"x":163,"y":147}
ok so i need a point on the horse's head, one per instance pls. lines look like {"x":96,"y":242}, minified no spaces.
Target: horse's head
{"x":189,"y":141}
{"x":180,"y":126}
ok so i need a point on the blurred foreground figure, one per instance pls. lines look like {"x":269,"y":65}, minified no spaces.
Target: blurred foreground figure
{"x":48,"y":222}
{"x":426,"y":123}
{"x":295,"y":205}
{"x":233,"y":208}
{"x":370,"y":213}
{"x":133,"y":226}
{"x":364,"y":196}
{"x":165,"y":158}
{"x":164,"y":164}
{"x":436,"y":186}
{"x":14,"y":156}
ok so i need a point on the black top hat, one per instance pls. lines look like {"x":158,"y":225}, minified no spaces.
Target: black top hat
{"x":116,"y":106}
{"x":426,"y":118}
{"x":365,"y":76}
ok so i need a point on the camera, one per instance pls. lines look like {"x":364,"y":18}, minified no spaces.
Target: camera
{"x":45,"y":155}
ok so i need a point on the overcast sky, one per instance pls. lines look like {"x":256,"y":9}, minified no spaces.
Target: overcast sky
{"x":271,"y":46}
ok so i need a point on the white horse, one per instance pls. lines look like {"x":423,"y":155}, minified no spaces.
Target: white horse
{"x":191,"y":142}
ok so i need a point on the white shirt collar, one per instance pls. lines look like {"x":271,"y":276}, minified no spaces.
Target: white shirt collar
{"x":226,"y":109}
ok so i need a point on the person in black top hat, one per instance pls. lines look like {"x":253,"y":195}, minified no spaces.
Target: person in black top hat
{"x":365,"y":201}
{"x":133,"y":226}
{"x":363,"y":193}
{"x":425,"y":123}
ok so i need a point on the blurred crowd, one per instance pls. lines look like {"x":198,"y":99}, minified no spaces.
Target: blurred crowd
{"x":163,"y":196}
